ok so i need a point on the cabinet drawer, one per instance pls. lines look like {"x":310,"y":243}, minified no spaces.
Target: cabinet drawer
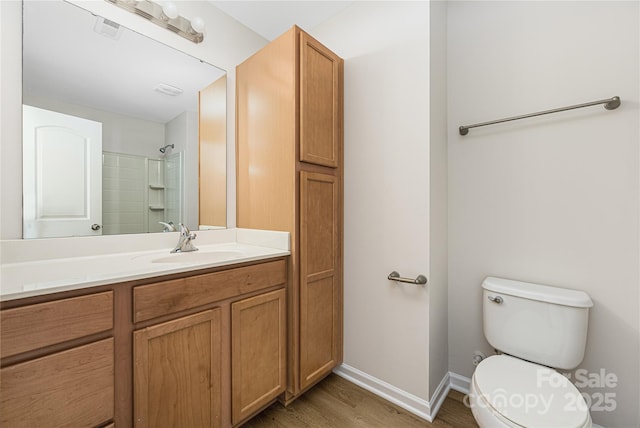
{"x":73,"y":388}
{"x":154,"y":300}
{"x":35,"y":326}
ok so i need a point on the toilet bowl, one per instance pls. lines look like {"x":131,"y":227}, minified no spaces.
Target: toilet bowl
{"x":534,"y":327}
{"x":507,"y":392}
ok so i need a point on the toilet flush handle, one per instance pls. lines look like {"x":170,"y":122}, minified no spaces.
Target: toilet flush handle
{"x":496,"y":299}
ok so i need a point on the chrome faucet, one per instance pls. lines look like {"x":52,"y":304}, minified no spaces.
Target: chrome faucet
{"x":168,"y":227}
{"x":184,"y":243}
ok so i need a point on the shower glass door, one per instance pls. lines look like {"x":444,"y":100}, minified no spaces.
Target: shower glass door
{"x":174,"y":184}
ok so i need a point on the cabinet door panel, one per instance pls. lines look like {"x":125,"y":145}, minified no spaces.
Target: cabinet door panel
{"x":258,"y":350}
{"x":72,"y":388}
{"x":320,"y":312}
{"x":318,"y":328}
{"x":320,"y":103}
{"x":177,"y":373}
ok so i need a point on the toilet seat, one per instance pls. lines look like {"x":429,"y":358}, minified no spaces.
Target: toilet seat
{"x":511,"y":392}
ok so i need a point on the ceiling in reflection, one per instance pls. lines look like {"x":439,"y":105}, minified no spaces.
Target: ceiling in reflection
{"x":82,"y":77}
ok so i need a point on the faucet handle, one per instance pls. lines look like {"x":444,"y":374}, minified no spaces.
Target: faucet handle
{"x":184,"y":231}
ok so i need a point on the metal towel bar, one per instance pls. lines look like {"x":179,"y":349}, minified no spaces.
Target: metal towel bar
{"x":395,"y":276}
{"x":609,"y":104}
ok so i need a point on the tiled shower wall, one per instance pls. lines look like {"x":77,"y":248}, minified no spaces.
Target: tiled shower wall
{"x":124,"y":194}
{"x":140,"y":192}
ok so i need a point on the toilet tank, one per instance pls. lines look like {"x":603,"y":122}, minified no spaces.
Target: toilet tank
{"x":538,"y":323}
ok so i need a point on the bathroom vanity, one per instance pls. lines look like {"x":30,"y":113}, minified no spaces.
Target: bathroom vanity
{"x":200,"y":341}
{"x":105,"y":331}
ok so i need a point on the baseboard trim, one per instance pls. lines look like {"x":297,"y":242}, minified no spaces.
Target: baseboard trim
{"x":407,"y":401}
{"x":424,"y":409}
{"x":439,"y":395}
{"x":459,"y":383}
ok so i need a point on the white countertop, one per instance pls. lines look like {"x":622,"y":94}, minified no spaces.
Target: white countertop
{"x":24,"y":274}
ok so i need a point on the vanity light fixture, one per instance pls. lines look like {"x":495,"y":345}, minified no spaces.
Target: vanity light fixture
{"x":166,"y":16}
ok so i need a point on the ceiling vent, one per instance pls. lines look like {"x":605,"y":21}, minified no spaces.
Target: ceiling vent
{"x":168,"y":89}
{"x":107,"y":28}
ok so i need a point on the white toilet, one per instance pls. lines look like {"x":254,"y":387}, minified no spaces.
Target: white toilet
{"x":535,"y":327}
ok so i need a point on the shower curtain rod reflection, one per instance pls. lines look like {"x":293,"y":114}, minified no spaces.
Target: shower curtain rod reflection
{"x":609,"y":104}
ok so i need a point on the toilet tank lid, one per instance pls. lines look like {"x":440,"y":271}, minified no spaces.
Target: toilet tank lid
{"x":539,"y":292}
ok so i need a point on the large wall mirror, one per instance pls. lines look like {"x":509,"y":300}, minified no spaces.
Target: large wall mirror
{"x":117,"y":128}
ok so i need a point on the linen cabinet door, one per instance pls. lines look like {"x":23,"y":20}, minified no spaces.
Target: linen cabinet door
{"x":258,"y":351}
{"x":177,"y":372}
{"x":320,"y":283}
{"x":320,"y":103}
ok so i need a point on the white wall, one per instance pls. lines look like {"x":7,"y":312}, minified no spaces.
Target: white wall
{"x":438,"y":204}
{"x":120,"y":133}
{"x":385,"y":46}
{"x":552,"y":199}
{"x":226,"y":44}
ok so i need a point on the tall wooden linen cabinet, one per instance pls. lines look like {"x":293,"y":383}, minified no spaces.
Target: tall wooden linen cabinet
{"x":289,"y":135}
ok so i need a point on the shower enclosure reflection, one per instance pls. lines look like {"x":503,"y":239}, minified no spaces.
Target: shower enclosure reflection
{"x":140,"y":193}
{"x":150,"y":138}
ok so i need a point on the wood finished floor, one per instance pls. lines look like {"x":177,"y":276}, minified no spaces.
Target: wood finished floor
{"x":338,"y":403}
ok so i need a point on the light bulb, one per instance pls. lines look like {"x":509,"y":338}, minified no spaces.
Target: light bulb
{"x":170,"y":10}
{"x":197,"y":24}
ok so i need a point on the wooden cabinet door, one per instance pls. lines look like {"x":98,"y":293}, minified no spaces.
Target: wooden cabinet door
{"x":320,"y":284}
{"x":320,"y":103}
{"x":258,"y":352}
{"x":72,"y":388}
{"x":177,"y":372}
